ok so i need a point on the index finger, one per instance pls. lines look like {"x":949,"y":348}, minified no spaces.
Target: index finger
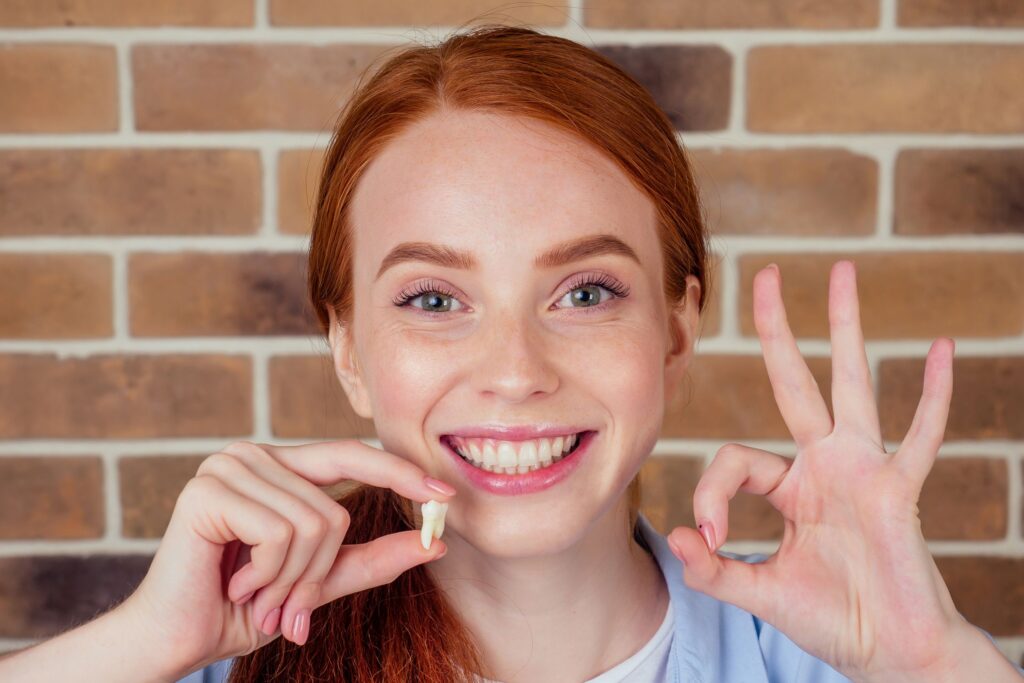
{"x":329,"y":462}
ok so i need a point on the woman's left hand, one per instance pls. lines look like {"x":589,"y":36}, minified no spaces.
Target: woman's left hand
{"x":853,"y":582}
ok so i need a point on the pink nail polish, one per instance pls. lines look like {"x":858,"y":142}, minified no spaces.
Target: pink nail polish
{"x":270,"y":622}
{"x":708,"y":532}
{"x":439,"y":486}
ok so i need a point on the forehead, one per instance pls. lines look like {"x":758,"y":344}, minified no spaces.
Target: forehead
{"x":498,"y":186}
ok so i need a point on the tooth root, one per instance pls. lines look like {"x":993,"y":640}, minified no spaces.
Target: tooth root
{"x":433,"y":521}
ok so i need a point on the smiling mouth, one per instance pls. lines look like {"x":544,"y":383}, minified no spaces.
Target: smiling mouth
{"x":515,"y":457}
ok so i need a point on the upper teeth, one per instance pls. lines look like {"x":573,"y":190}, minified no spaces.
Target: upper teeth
{"x":513,"y":457}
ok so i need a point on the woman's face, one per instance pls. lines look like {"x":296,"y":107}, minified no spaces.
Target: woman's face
{"x":507,"y":341}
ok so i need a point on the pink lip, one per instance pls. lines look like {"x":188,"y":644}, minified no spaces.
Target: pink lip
{"x":528,"y":482}
{"x":516,"y":433}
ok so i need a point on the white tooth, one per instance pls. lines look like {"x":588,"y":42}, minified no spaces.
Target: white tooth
{"x":527,"y":455}
{"x":506,"y":455}
{"x":433,"y":521}
{"x":490,"y":458}
{"x":509,"y":470}
{"x":522,"y":469}
{"x":544,"y":452}
{"x":556,"y":446}
{"x":569,"y":443}
{"x":474,"y":451}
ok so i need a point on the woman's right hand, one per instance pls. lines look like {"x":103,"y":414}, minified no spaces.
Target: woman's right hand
{"x":256,"y":508}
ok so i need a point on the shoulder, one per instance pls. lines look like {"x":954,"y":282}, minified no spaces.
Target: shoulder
{"x":211,"y":673}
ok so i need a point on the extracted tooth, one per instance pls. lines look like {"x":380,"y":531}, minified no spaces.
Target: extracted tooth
{"x":433,"y":521}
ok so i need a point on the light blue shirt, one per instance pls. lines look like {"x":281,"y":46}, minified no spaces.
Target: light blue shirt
{"x":712,"y":641}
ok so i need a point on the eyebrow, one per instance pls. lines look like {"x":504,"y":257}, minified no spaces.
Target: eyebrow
{"x":566,"y":252}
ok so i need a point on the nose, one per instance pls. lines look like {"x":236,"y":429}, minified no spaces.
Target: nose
{"x":514,"y":361}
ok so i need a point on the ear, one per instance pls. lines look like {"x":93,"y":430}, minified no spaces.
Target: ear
{"x":683,"y":322}
{"x":346,"y":366}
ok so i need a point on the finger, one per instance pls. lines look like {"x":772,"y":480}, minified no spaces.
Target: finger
{"x":796,"y":392}
{"x":329,"y":462}
{"x":360,"y":566}
{"x":920,"y":446}
{"x":308,"y":529}
{"x":853,"y":399}
{"x":748,"y":586}
{"x":224,"y":515}
{"x":735,"y":468}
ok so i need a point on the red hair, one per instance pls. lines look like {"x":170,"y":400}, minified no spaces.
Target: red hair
{"x":406,"y":631}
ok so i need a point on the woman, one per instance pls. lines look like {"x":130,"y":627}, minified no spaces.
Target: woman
{"x":508,"y":244}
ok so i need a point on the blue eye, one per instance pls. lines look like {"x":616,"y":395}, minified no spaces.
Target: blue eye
{"x":421,"y":289}
{"x":589,"y":282}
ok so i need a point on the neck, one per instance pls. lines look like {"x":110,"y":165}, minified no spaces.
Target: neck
{"x":523,"y":614}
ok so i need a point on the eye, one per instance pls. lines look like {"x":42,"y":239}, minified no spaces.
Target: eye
{"x":434,"y":303}
{"x":589,"y":286}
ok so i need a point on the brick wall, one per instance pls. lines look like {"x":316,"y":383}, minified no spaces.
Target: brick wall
{"x":156,"y":165}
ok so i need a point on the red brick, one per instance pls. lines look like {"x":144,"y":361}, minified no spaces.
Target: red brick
{"x":667,"y":482}
{"x":873,"y":87}
{"x":698,"y":14}
{"x":411,"y":12}
{"x":730,"y":397}
{"x":55,"y":296}
{"x":965,"y":499}
{"x":902,"y":295}
{"x":129,"y":191}
{"x":307,"y":401}
{"x":245,"y":86}
{"x":57,"y":88}
{"x":986,"y":13}
{"x":796,"y":191}
{"x":32,"y":13}
{"x":959,"y":191}
{"x":298,"y":179}
{"x":125,"y":396}
{"x":988,"y":591}
{"x":51,"y":497}
{"x":150,"y":486}
{"x":204,"y":294}
{"x":987,"y":401}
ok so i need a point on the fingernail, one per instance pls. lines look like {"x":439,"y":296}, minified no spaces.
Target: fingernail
{"x":241,"y":600}
{"x":708,"y":532}
{"x":439,"y":486}
{"x":300,"y":627}
{"x":270,"y":621}
{"x":441,"y":554}
{"x":676,"y":550}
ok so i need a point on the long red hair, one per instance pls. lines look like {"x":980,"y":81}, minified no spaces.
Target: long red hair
{"x":406,"y":631}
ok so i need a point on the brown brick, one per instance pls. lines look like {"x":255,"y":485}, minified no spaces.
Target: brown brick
{"x":691,"y":83}
{"x":55,"y":296}
{"x":711,"y":317}
{"x":730,"y":397}
{"x":298,"y":178}
{"x":965,"y":498}
{"x":988,"y":13}
{"x":988,"y":591}
{"x":129,"y":191}
{"x":57,"y":88}
{"x":966,"y":191}
{"x":796,"y":191}
{"x":902,"y":294}
{"x":45,"y":595}
{"x":150,"y":486}
{"x":51,"y":497}
{"x":203,"y":294}
{"x":125,"y":396}
{"x":411,"y":12}
{"x":697,"y":14}
{"x":245,"y":87}
{"x":928,"y":88}
{"x":27,"y":13}
{"x":987,"y":401}
{"x":307,"y":401}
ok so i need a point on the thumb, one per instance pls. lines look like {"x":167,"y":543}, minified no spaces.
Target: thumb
{"x":723,"y":578}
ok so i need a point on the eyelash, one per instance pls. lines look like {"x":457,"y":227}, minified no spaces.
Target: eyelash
{"x":618,"y":290}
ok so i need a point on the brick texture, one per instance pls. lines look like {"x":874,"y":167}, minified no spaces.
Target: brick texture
{"x":988,"y":591}
{"x":298,"y":179}
{"x":129,"y":191}
{"x":124,"y":396}
{"x":936,"y":13}
{"x":197,"y":294}
{"x":901,"y":295}
{"x":150,"y":486}
{"x":959,"y":191}
{"x":51,"y":497}
{"x":57,"y":88}
{"x":696,"y":14}
{"x":860,"y":88}
{"x":40,"y":13}
{"x":55,"y":296}
{"x":307,"y":401}
{"x":396,"y":12}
